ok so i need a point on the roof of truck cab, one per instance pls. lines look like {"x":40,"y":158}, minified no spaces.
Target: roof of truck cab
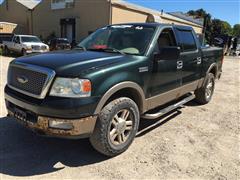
{"x":23,"y":35}
{"x":156,"y":25}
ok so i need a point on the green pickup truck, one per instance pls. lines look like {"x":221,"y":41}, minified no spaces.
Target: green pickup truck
{"x":114,"y":77}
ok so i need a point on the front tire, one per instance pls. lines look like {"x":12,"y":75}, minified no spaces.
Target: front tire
{"x":24,"y":52}
{"x":116,"y":127}
{"x":205,"y":93}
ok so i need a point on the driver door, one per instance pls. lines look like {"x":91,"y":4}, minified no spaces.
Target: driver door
{"x":165,"y":76}
{"x":17,"y":44}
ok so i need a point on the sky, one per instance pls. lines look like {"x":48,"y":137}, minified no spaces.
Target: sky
{"x":227,"y":10}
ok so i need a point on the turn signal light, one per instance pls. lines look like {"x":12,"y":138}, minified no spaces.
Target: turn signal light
{"x":86,"y":86}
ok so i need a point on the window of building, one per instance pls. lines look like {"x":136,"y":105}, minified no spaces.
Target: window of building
{"x":62,"y":4}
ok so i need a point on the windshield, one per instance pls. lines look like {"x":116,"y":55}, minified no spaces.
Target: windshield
{"x":30,"y":39}
{"x":128,"y":39}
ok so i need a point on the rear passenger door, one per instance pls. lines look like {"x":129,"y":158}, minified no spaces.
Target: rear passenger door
{"x":190,"y":56}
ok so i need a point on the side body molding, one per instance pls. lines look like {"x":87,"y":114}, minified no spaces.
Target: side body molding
{"x":120,"y":86}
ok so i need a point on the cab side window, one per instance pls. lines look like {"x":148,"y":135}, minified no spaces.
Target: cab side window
{"x":16,"y":40}
{"x":187,"y":40}
{"x":166,"y":39}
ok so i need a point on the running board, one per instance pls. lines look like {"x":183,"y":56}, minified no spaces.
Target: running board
{"x":169,"y":108}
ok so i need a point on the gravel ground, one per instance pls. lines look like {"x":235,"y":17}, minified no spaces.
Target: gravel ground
{"x":195,"y":142}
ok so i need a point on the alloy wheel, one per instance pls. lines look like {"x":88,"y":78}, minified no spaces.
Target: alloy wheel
{"x":120,"y":127}
{"x":209,"y":89}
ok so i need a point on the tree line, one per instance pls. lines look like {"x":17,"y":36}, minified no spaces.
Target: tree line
{"x":214,"y":27}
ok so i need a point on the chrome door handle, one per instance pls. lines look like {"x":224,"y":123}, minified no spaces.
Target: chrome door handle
{"x":179,"y":64}
{"x":199,"y":60}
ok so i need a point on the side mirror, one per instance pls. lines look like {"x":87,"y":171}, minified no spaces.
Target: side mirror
{"x":168,"y":53}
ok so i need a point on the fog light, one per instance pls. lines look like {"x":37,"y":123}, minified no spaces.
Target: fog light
{"x":60,"y":125}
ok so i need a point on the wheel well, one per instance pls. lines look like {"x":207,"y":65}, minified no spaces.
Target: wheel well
{"x":213,"y":70}
{"x":130,"y":93}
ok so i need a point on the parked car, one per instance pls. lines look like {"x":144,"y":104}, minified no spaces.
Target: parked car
{"x":59,"y":44}
{"x":115,"y":76}
{"x":24,"y":44}
{"x":5,"y":37}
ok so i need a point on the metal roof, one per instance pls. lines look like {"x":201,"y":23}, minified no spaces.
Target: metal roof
{"x":135,"y":6}
{"x":8,"y":23}
{"x":30,"y":4}
{"x":155,"y":13}
{"x":187,"y":17}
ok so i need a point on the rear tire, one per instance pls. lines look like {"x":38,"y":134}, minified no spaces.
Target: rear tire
{"x":116,"y":127}
{"x":205,"y":93}
{"x":6,"y":51}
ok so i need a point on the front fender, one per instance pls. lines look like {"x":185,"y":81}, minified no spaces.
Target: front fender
{"x":116,"y":88}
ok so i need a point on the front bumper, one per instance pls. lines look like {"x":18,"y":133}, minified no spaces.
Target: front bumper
{"x":81,"y":128}
{"x":36,"y":51}
{"x":78,"y":112}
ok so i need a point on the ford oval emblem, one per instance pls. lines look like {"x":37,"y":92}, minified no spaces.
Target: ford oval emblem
{"x":22,"y":79}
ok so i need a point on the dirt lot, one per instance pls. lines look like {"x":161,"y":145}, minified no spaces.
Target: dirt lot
{"x":195,"y":142}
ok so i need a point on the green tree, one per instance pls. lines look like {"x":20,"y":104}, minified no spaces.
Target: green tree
{"x":236,"y":30}
{"x":215,"y":27}
{"x":202,"y":14}
{"x":226,"y":28}
{"x":221,"y":27}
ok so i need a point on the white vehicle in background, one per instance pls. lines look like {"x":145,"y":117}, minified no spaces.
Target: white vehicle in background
{"x":24,"y":44}
{"x":238,"y":47}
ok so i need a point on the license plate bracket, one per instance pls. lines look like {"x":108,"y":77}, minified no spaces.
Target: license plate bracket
{"x":20,"y":115}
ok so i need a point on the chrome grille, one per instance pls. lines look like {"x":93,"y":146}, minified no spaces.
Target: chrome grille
{"x":30,"y":80}
{"x":36,"y":47}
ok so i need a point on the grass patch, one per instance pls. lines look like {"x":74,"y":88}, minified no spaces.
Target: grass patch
{"x":1,"y":51}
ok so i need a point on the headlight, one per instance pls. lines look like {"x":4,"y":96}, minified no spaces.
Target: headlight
{"x":66,"y":87}
{"x":29,"y":48}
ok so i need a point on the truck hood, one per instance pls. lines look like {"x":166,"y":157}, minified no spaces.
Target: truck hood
{"x":71,"y":63}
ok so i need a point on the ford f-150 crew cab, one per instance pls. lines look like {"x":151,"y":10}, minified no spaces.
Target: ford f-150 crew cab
{"x":115,"y":76}
{"x":24,"y":44}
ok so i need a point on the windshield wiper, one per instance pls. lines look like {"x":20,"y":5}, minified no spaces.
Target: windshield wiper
{"x":81,"y":47}
{"x":115,"y":50}
{"x":107,"y":50}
